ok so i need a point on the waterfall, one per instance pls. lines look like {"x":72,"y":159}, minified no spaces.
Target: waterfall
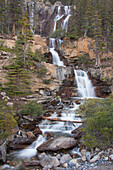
{"x":57,"y":18}
{"x":30,"y":6}
{"x":55,"y":55}
{"x":85,"y":87}
{"x":32,"y":149}
{"x":56,"y":58}
{"x":67,"y":14}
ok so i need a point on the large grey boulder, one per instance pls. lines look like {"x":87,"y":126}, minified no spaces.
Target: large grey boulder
{"x":58,"y":143}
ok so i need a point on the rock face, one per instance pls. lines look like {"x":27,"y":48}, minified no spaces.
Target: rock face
{"x":58,"y":143}
{"x":73,"y":49}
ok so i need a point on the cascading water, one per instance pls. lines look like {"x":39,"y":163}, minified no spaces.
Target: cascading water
{"x":67,"y":14}
{"x":53,"y":41}
{"x":85,"y":87}
{"x":56,"y":58}
{"x":31,"y":150}
{"x":57,"y":18}
{"x":31,"y":15}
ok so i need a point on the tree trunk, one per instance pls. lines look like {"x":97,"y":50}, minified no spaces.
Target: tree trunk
{"x":13,"y":30}
{"x":60,"y":120}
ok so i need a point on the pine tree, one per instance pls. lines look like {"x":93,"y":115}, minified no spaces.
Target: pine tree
{"x":16,"y":9}
{"x":18,"y":74}
{"x":97,"y":35}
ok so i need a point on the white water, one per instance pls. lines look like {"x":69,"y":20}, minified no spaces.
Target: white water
{"x":67,"y":14}
{"x":56,"y":58}
{"x":31,"y":150}
{"x":57,"y":18}
{"x":63,"y":127}
{"x":85,"y":87}
{"x":31,"y":15}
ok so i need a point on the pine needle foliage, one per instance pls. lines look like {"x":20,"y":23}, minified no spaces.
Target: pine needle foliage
{"x":98,"y":115}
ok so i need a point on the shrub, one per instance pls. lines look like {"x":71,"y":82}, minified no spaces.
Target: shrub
{"x":98,"y":131}
{"x":42,"y":72}
{"x":32,"y":108}
{"x":7,"y":120}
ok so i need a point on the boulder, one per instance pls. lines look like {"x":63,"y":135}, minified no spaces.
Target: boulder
{"x":58,"y":143}
{"x":46,"y":161}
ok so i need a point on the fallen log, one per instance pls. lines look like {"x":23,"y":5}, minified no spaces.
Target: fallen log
{"x":60,"y":120}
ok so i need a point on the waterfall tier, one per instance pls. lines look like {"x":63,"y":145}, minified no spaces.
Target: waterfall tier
{"x":85,"y":87}
{"x":56,"y":58}
{"x":59,"y":16}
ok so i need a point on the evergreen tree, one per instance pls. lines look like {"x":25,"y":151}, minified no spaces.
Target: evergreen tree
{"x":18,"y":74}
{"x":16,"y":9}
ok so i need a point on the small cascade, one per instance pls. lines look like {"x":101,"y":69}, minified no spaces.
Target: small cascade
{"x":85,"y":87}
{"x":31,"y":15}
{"x":31,"y":150}
{"x":56,"y":58}
{"x":67,"y":14}
{"x":57,"y":18}
{"x":62,"y":127}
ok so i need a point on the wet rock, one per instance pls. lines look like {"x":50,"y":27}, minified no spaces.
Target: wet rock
{"x":111,"y":157}
{"x":83,"y":152}
{"x":3,"y":152}
{"x":95,"y":158}
{"x":88,"y":156}
{"x":20,"y":143}
{"x":47,"y":160}
{"x":58,"y":143}
{"x":31,"y":163}
{"x":77,"y":133}
{"x":37,"y":131}
{"x":65,"y":158}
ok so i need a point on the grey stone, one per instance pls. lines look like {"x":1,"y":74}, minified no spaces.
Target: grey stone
{"x":57,"y":143}
{"x":88,"y":156}
{"x":95,"y":158}
{"x":49,"y":161}
{"x":65,"y":158}
{"x":73,"y":161}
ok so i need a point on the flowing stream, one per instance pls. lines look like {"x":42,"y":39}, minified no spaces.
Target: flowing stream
{"x":64,"y":25}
